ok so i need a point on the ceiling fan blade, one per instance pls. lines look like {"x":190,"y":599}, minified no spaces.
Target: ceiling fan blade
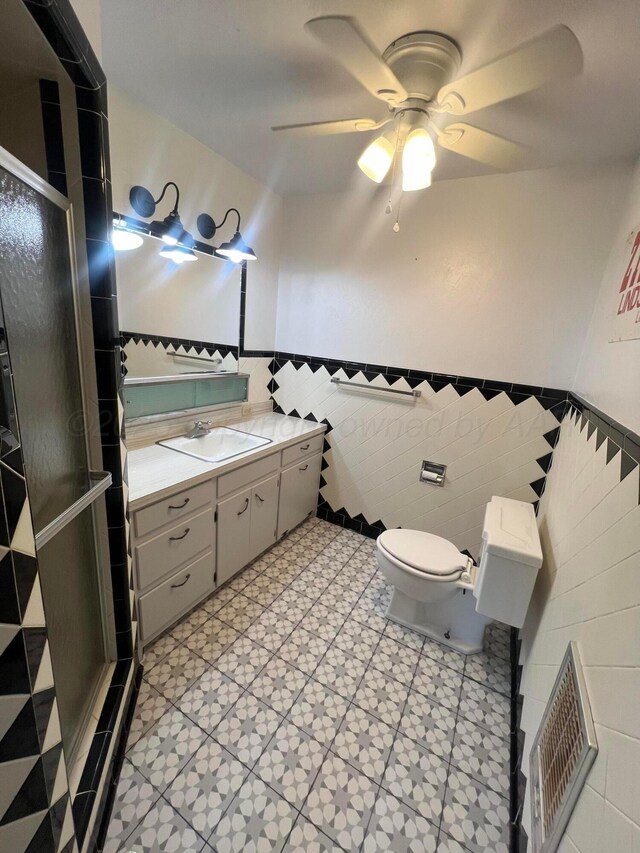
{"x":351,"y":48}
{"x":325,"y":128}
{"x":551,"y":56}
{"x":481,"y":145}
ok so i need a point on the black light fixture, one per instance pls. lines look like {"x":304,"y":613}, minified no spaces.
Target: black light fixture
{"x":170,"y":229}
{"x":235,"y":249}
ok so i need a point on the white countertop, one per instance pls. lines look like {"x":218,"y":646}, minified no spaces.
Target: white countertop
{"x":155,"y":470}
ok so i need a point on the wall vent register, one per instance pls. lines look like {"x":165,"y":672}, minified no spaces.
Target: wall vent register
{"x":563,"y":752}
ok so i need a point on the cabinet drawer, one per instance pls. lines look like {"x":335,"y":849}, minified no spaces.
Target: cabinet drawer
{"x":302,"y":449}
{"x":164,"y":604}
{"x":171,"y":509}
{"x":258,"y":470}
{"x":171,"y":549}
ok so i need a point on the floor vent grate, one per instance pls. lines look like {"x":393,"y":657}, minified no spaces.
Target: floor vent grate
{"x":563,"y":752}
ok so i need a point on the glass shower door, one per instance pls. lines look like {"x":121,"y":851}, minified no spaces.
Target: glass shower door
{"x":37,"y":292}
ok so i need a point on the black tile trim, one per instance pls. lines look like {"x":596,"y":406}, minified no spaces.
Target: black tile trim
{"x":165,"y":341}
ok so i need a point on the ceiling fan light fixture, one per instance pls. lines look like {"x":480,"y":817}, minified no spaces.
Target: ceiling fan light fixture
{"x":376,"y":159}
{"x":418,"y":160}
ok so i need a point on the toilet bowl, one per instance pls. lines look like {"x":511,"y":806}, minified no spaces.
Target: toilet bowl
{"x":439,"y":591}
{"x":432,"y":583}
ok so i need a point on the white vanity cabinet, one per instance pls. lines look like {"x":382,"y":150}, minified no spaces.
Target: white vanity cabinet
{"x":298,"y":492}
{"x":196,"y":538}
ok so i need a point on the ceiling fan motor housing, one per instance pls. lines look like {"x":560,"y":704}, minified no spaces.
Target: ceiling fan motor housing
{"x":423,"y":62}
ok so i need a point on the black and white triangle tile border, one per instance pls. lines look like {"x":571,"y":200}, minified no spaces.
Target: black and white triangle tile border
{"x":552,"y":399}
{"x":37,"y":813}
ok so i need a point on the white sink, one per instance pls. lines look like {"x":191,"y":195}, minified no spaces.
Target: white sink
{"x":218,"y":444}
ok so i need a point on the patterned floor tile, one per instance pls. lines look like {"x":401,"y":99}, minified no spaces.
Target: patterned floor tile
{"x":341,"y":801}
{"x":240,"y":612}
{"x":370,"y":614}
{"x":292,"y":607}
{"x":134,"y":797}
{"x":357,"y":640}
{"x":290,"y":763}
{"x":404,"y":635}
{"x":164,"y":830}
{"x":191,"y":623}
{"x":307,"y":838}
{"x":483,"y":755}
{"x":210,"y":641}
{"x":257,"y":821}
{"x":247,"y":728}
{"x":158,"y":650}
{"x":278,"y":684}
{"x":340,"y":671}
{"x":176,"y":673}
{"x":490,"y":671}
{"x":364,"y":742}
{"x":340,"y":599}
{"x":443,"y":654}
{"x":265,"y":591}
{"x":474,"y":815}
{"x":243,"y":660}
{"x":270,"y":631}
{"x":283,"y":571}
{"x":166,"y":748}
{"x":208,"y":700}
{"x":486,"y":708}
{"x":201,"y":792}
{"x":395,"y":660}
{"x":382,"y":696}
{"x":303,"y":650}
{"x":394,"y":827}
{"x":310,"y":584}
{"x":243,"y":579}
{"x":497,"y":641}
{"x":319,"y":711}
{"x":150,"y":707}
{"x":417,"y":777}
{"x":324,"y":622}
{"x":446,"y":844}
{"x":219,"y":599}
{"x":438,"y":682}
{"x":429,"y":724}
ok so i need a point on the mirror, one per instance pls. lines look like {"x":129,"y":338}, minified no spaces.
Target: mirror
{"x":192,"y":310}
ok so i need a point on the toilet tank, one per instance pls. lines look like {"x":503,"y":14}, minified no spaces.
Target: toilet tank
{"x":509,"y":561}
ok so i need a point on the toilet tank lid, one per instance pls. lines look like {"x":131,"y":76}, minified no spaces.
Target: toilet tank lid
{"x":510,"y":531}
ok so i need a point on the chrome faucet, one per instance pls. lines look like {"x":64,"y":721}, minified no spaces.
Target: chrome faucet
{"x":200,"y":428}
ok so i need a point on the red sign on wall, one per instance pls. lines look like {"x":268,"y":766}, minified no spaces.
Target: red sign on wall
{"x":627,"y":325}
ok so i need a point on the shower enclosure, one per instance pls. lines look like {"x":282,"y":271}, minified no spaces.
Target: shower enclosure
{"x":60,"y":513}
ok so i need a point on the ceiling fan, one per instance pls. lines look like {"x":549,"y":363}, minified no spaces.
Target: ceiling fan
{"x":413,"y":77}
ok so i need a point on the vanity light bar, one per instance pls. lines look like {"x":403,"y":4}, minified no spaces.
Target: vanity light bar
{"x":138,"y":226}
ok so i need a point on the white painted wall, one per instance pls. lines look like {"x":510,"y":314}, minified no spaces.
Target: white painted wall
{"x":609,"y":373}
{"x":492,"y":277}
{"x":146,"y":149}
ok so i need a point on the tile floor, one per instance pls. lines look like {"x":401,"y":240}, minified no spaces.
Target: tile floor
{"x":287,"y":714}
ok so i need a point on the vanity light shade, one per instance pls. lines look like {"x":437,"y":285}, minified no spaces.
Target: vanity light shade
{"x":418,"y":160}
{"x":124,"y":241}
{"x":178,"y":254}
{"x":236,"y":250}
{"x":376,"y":159}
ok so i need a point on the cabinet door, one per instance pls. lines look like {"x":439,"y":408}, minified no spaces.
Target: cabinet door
{"x":264,"y":516}
{"x":298,"y":492}
{"x":234,"y":526}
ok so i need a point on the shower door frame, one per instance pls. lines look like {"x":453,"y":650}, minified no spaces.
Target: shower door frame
{"x":101,"y":479}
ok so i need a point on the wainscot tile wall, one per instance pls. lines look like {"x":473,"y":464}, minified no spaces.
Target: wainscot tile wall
{"x":588,"y":591}
{"x":38,"y":811}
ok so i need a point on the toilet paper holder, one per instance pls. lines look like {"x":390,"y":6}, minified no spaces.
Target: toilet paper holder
{"x":433,"y":473}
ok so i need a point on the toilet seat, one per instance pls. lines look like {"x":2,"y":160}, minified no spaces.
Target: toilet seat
{"x":431,"y":556}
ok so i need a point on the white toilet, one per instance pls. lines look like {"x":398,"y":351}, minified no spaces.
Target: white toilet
{"x":442,"y":594}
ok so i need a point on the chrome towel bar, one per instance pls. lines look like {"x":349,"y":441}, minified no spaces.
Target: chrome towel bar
{"x":412,"y":393}
{"x":194,"y":357}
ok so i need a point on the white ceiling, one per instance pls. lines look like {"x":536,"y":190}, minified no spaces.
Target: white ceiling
{"x":226,"y":70}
